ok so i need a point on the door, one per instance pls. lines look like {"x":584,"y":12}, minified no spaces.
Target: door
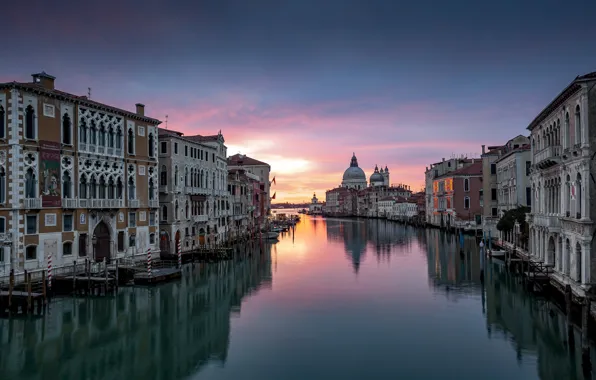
{"x":101,"y":235}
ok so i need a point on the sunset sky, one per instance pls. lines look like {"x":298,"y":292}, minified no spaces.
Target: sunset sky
{"x":302,"y":84}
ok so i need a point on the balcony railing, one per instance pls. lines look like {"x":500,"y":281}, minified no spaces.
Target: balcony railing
{"x":100,"y":203}
{"x":153,"y":203}
{"x":549,"y":156}
{"x":69,"y":203}
{"x":200,"y":218}
{"x":32,"y":203}
{"x":549,"y":221}
{"x":134,"y":203}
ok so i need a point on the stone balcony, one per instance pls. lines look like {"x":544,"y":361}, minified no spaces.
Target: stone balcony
{"x":547,"y":157}
{"x":153,"y":203}
{"x":70,"y":203}
{"x":134,"y":203}
{"x":32,"y":203}
{"x":200,"y":218}
{"x":101,"y":203}
{"x":552,"y":222}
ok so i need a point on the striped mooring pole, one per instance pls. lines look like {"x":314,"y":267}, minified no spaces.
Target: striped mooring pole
{"x":149,"y":262}
{"x":50,"y":270}
{"x":179,"y":251}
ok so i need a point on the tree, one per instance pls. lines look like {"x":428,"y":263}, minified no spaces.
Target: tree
{"x":507,"y":222}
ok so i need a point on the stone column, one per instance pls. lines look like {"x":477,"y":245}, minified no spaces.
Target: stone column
{"x":586,"y":262}
{"x":585,"y":173}
{"x":557,"y":255}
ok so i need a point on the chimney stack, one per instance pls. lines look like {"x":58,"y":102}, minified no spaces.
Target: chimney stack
{"x":140,"y":109}
{"x":443,"y":159}
{"x":45,"y":80}
{"x":483,"y":149}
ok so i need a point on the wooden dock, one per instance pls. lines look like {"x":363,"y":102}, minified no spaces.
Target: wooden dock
{"x":157,"y":276}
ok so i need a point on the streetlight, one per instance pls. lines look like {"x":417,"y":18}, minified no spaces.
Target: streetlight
{"x":93,"y":242}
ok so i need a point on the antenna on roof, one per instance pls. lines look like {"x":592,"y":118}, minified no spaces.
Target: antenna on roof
{"x":88,"y":92}
{"x":166,"y":121}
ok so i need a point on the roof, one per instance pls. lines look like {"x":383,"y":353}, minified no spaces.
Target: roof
{"x":571,"y":89}
{"x":82,"y":100}
{"x":241,"y":159}
{"x":522,"y":148}
{"x":474,"y":169}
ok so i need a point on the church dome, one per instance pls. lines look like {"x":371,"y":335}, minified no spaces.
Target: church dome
{"x":354,"y":172}
{"x":376,"y":176}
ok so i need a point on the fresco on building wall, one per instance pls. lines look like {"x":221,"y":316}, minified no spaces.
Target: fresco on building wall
{"x":50,"y":174}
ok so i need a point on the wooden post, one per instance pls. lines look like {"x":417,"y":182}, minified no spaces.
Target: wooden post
{"x":117,"y":275}
{"x":43,"y":286}
{"x":29,"y":305}
{"x":74,"y":276}
{"x":105,"y":264}
{"x":88,"y":276}
{"x":586,"y":360}
{"x":10,"y":288}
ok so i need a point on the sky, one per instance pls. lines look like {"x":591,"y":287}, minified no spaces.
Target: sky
{"x":301,"y":84}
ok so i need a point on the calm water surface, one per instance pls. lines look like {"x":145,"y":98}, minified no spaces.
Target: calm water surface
{"x":342,"y":298}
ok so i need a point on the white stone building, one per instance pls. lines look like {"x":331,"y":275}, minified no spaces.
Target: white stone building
{"x":385,"y":206}
{"x":354,"y":177}
{"x":260,"y":169}
{"x":513,"y":175}
{"x":562,"y":219}
{"x":193,"y":190}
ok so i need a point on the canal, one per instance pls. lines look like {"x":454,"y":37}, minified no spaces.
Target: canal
{"x":340,"y":298}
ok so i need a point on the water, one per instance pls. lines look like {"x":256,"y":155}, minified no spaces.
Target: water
{"x":346,"y":299}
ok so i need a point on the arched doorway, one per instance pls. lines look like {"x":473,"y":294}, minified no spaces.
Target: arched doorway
{"x":101,"y":241}
{"x":177,"y":242}
{"x":164,"y":243}
{"x":551,"y":251}
{"x":201,"y":237}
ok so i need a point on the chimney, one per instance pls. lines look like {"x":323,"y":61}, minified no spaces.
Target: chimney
{"x":483,"y":149}
{"x":140,"y":109}
{"x":443,"y":159}
{"x":45,"y":80}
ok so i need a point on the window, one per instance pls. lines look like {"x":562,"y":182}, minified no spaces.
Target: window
{"x":494,"y":212}
{"x":466,"y":184}
{"x":528,"y":166}
{"x":131,"y":188}
{"x":66,"y":131}
{"x":30,"y":184}
{"x":163,"y":176}
{"x":466,"y":202}
{"x":151,"y":190}
{"x":2,"y":123}
{"x":2,"y":254}
{"x":120,"y":241}
{"x":578,"y":125}
{"x":164,"y":147}
{"x":567,"y":131}
{"x":132,"y":219}
{"x":186,"y":150}
{"x":83,"y":132}
{"x":151,"y":144}
{"x":213,"y":156}
{"x":175,"y":148}
{"x":67,"y":222}
{"x":131,"y":142}
{"x":66,"y":185}
{"x":29,"y":123}
{"x":152,"y":239}
{"x":2,"y":185}
{"x":31,"y":227}
{"x":493,"y":194}
{"x":2,"y":225}
{"x":132,"y":241}
{"x":31,"y":252}
{"x":152,"y":218}
{"x":493,"y":169}
{"x":67,"y":249}
{"x":515,"y":146}
{"x":529,"y":196}
{"x":82,"y":245}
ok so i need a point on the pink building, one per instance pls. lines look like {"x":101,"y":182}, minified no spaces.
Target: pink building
{"x":456,"y":197}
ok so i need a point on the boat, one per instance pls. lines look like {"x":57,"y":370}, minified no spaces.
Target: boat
{"x":271,"y":235}
{"x":496,"y":254}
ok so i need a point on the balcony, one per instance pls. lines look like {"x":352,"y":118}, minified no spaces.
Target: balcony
{"x":101,"y":203}
{"x":549,"y":156}
{"x":134,"y":203}
{"x":549,"y":221}
{"x":32,"y":203}
{"x":200,"y":218}
{"x":69,"y":203}
{"x":153,"y":203}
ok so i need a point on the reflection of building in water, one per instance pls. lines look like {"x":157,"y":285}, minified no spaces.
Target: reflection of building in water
{"x":532,"y":327}
{"x":447,"y":267}
{"x":356,"y":234}
{"x":158,"y":333}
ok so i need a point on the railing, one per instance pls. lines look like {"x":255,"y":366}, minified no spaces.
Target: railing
{"x":83,"y":146}
{"x":547,"y":221}
{"x":200,"y":218}
{"x":84,"y":203}
{"x":101,"y":149}
{"x":100,"y":203}
{"x":91,"y":148}
{"x":118,"y":152}
{"x":32,"y":203}
{"x":134,"y":203}
{"x":153,"y":203}
{"x":69,"y":203}
{"x":110,"y":151}
{"x":548,"y":156}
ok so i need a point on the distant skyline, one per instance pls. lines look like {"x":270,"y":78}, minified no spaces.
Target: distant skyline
{"x":302,"y":84}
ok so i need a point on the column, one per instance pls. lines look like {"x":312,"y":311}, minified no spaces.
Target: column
{"x":585,"y":173}
{"x":557,"y":255}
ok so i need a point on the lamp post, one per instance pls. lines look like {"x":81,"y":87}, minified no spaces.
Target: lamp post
{"x":93,"y":242}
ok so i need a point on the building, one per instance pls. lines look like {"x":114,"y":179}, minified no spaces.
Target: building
{"x":434,"y":171}
{"x":562,"y":219}
{"x":341,"y":201}
{"x":246,"y":202}
{"x":354,"y":177}
{"x":78,"y":178}
{"x":456,"y":197}
{"x":489,"y":199}
{"x":192,"y":190}
{"x":315,"y":208}
{"x":260,"y":169}
{"x":513,"y":176}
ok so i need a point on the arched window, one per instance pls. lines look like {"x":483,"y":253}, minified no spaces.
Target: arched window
{"x":102,"y":187}
{"x":131,"y":188}
{"x":2,"y":185}
{"x":187,"y":210}
{"x":568,"y":195}
{"x":93,"y":134}
{"x":83,"y":187}
{"x":83,"y":132}
{"x":578,"y":262}
{"x":164,"y":213}
{"x":111,"y":137}
{"x":66,"y":132}
{"x":30,"y":184}
{"x":151,"y":145}
{"x":119,"y":189}
{"x":578,"y":125}
{"x":185,"y":176}
{"x":175,"y":175}
{"x":119,"y":138}
{"x":578,"y":196}
{"x":567,"y":131}
{"x":29,"y":123}
{"x":163,"y":175}
{"x":213,"y":183}
{"x":176,"y":209}
{"x":466,"y":184}
{"x":131,"y":142}
{"x":2,"y":123}
{"x":201,"y":179}
{"x":111,"y":189}
{"x":151,"y":190}
{"x":66,"y":185}
{"x":93,"y":188}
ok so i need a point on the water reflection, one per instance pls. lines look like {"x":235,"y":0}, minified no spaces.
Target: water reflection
{"x":166,"y":332}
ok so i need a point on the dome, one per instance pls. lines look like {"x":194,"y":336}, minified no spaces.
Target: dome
{"x":376,"y":176}
{"x":354,"y":172}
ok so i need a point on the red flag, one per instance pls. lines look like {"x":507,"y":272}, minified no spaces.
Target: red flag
{"x":273,"y":181}
{"x":273,"y":197}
